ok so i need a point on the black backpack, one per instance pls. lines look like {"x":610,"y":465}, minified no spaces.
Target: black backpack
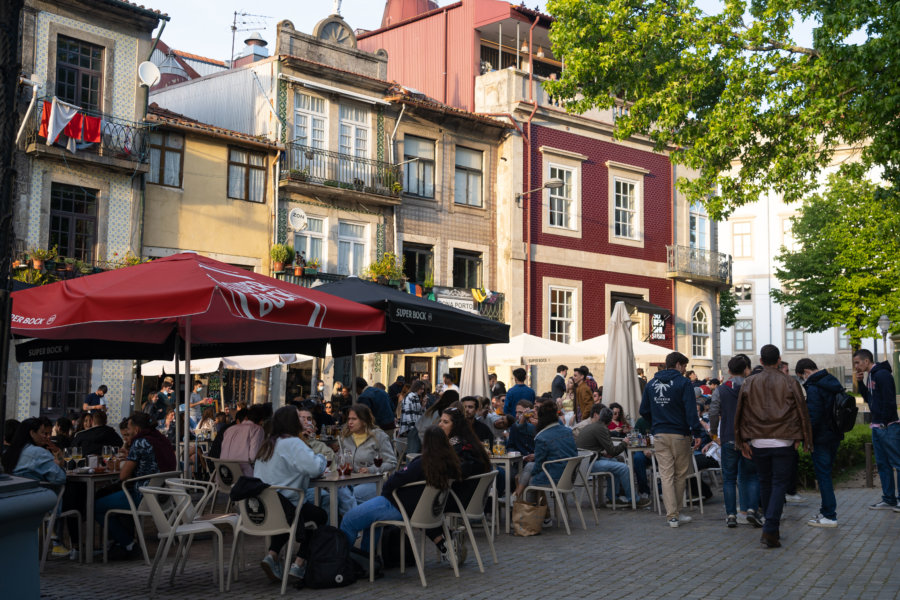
{"x":843,"y":415}
{"x":329,"y":563}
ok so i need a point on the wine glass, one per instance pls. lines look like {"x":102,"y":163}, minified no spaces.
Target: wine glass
{"x":377,"y":459}
{"x":67,"y":456}
{"x":77,"y":455}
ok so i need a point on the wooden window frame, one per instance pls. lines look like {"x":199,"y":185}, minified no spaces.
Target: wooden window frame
{"x":163,"y":149}
{"x":79,"y":71}
{"x":264,"y":168}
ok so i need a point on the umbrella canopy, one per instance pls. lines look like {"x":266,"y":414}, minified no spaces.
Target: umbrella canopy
{"x":522,"y":349}
{"x":620,"y":382}
{"x":474,"y":378}
{"x":596,"y":349}
{"x":412,"y":322}
{"x":143,"y":309}
{"x":208,"y":365}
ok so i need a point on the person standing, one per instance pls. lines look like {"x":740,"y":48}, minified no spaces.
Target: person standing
{"x":821,"y":390}
{"x":770,"y":422}
{"x":584,"y":396}
{"x":519,"y":391}
{"x":876,"y":384}
{"x":558,"y":385}
{"x":378,"y":402}
{"x":393,"y":391}
{"x":668,"y":406}
{"x":96,"y":400}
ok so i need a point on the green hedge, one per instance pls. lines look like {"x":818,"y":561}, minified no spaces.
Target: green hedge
{"x":851,"y":455}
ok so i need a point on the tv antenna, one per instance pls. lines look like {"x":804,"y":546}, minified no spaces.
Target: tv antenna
{"x":244,"y":21}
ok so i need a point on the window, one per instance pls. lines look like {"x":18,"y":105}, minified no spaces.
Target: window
{"x":562,"y":311}
{"x":64,"y":385}
{"x":743,"y":292}
{"x":700,"y":332}
{"x":73,"y":221}
{"x":742,"y":242}
{"x":354,"y":142}
{"x":246,"y":175}
{"x":418,"y":175}
{"x":79,"y":72}
{"x":794,"y":339}
{"x":743,"y":335}
{"x":843,"y":339}
{"x":309,"y":121}
{"x":699,"y":225}
{"x":351,"y":248}
{"x":787,"y":233}
{"x":561,"y":205}
{"x":466,"y":269}
{"x":418,"y":262}
{"x":467,"y":184}
{"x":626,"y":209}
{"x":166,"y":155}
{"x":311,"y":241}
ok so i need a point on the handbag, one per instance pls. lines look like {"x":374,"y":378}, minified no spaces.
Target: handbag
{"x":528,"y":517}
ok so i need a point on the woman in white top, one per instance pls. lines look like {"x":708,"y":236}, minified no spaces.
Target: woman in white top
{"x":284,"y":459}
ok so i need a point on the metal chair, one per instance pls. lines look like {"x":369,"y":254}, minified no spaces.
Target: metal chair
{"x":49,"y":524}
{"x":560,"y":488}
{"x":226,"y":473}
{"x":589,"y":481}
{"x":695,"y":474}
{"x":473,"y":512}
{"x":137,"y":511}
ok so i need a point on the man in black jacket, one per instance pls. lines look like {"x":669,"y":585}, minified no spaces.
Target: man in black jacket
{"x":558,"y":385}
{"x":91,"y":441}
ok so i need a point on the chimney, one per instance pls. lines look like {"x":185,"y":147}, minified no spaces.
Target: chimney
{"x":400,"y":10}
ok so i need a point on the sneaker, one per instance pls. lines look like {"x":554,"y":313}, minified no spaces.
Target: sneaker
{"x":742,"y":519}
{"x":883,"y":506}
{"x":673,"y":522}
{"x":271,"y":568}
{"x":623,"y":500}
{"x":644,"y":496}
{"x":59,"y":551}
{"x":793,"y":498}
{"x":684,"y":519}
{"x":754,"y":519}
{"x":731,"y":521}
{"x":548,"y":522}
{"x":297,"y":571}
{"x":642,"y":502}
{"x":897,"y":508}
{"x":821,"y":521}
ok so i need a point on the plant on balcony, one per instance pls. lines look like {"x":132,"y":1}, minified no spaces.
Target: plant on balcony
{"x":280,"y":254}
{"x":69,"y":264}
{"x":299,"y":174}
{"x":312,"y":267}
{"x":358,"y":184}
{"x":331,"y":183}
{"x":130,"y":260}
{"x":39,"y":255}
{"x":428,"y":284}
{"x":396,"y":188}
{"x":83,"y":267}
{"x":388,"y":270}
{"x":34,"y":276}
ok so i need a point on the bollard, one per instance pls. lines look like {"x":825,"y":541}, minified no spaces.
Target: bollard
{"x":869,"y":479}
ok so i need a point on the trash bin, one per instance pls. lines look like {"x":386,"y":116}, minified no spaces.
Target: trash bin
{"x":23,"y":503}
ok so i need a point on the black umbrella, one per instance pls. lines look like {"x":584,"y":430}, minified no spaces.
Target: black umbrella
{"x":412,"y":322}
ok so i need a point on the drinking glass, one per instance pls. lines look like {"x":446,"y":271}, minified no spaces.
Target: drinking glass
{"x":67,"y":456}
{"x":77,"y":455}
{"x":377,"y":459}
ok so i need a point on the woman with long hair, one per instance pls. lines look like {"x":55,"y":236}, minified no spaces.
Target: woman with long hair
{"x":207,"y":423}
{"x":284,"y":459}
{"x":438,"y":466}
{"x":567,"y":402}
{"x":432,"y":414}
{"x":552,"y":441}
{"x":337,"y":396}
{"x":62,"y":432}
{"x":619,"y":426}
{"x":27,"y":455}
{"x":364,"y":441}
{"x":411,"y":409}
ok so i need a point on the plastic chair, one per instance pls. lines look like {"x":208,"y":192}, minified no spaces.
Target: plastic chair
{"x":170,"y":524}
{"x":473,"y":512}
{"x":226,"y":473}
{"x":695,"y":474}
{"x":589,"y":481}
{"x":50,"y":523}
{"x":137,"y":511}
{"x":428,"y":514}
{"x":561,"y":488}
{"x":266,"y":518}
{"x":400,"y":445}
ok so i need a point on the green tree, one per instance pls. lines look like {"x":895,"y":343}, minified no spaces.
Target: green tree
{"x":844,"y":270}
{"x":728,"y":309}
{"x":734,"y":87}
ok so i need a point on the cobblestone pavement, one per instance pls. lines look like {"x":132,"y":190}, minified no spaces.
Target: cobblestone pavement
{"x":630,"y":555}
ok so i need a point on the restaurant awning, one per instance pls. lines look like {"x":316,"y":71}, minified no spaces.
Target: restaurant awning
{"x":634,"y":302}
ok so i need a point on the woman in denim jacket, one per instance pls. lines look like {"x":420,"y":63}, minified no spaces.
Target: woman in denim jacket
{"x":553,"y":440}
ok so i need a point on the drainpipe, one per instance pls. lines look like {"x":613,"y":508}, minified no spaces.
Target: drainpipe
{"x":149,"y":56}
{"x":674,"y":237}
{"x":528,"y":186}
{"x":391,"y":149}
{"x":35,"y":88}
{"x":446,"y":30}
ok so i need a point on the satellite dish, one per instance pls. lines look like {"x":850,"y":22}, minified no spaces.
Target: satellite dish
{"x":297,"y":219}
{"x":148,"y":73}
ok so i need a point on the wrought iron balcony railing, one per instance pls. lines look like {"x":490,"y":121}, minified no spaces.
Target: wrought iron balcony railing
{"x":684,"y":262}
{"x":344,"y":171}
{"x":118,"y":138}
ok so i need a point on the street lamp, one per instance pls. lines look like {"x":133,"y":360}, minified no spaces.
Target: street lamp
{"x":884,"y":324}
{"x":550,"y":184}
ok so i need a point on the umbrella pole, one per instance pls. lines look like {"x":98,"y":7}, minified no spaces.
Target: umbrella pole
{"x":187,"y":386}
{"x":179,"y":428}
{"x":353,"y":390}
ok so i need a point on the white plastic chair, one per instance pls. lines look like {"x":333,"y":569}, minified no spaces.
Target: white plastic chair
{"x":170,"y":524}
{"x":695,"y":474}
{"x":428,"y":514}
{"x":473,"y":512}
{"x":589,"y":480}
{"x":137,"y":511}
{"x":225,"y":474}
{"x":561,"y":488}
{"x":265,"y":518}
{"x":49,"y":524}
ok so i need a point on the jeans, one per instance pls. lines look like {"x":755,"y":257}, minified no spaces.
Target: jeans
{"x":639,"y":460}
{"x":673,"y":455}
{"x":621,"y":476}
{"x":775,"y":466}
{"x":350,"y":496}
{"x":119,"y":531}
{"x":886,"y":446}
{"x":736,"y":468}
{"x":823,"y":456}
{"x":360,"y":518}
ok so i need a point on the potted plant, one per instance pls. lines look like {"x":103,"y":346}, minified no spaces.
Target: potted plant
{"x":83,"y":267}
{"x":39,"y":256}
{"x":387,"y":270}
{"x":312,"y":267}
{"x":70,"y":264}
{"x":280,"y":254}
{"x":299,"y":263}
{"x":428,"y":284}
{"x":299,"y":174}
{"x":396,"y":188}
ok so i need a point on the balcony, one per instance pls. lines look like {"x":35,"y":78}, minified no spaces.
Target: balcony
{"x":332,"y":175}
{"x":124,"y":145}
{"x":693,"y":265}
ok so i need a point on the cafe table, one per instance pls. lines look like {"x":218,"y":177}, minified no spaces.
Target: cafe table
{"x":506,"y":461}
{"x":332,"y":481}
{"x":631,"y":451}
{"x":91,"y":482}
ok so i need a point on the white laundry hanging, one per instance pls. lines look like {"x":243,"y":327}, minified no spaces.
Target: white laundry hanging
{"x":60,"y":115}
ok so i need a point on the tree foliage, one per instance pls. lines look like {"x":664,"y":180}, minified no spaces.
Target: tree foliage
{"x":735,"y":88}
{"x":844,"y":270}
{"x":728,"y":309}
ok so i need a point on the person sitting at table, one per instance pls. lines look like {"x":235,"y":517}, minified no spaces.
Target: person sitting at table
{"x":204,"y":428}
{"x":91,"y":441}
{"x":84,"y":421}
{"x":432,"y":413}
{"x":438,"y":466}
{"x":62,"y":432}
{"x":362,"y":439}
{"x":618,"y":426}
{"x":552,"y":441}
{"x":522,"y":432}
{"x":596,"y":438}
{"x":284,"y":459}
{"x":321,"y":418}
{"x":482,"y":432}
{"x":150,"y":453}
{"x":125,"y":432}
{"x":241,"y":442}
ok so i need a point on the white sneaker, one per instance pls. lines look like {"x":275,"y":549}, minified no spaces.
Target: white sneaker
{"x":883,"y":506}
{"x":673,"y":522}
{"x":742,"y":519}
{"x":821,"y":521}
{"x":793,"y":498}
{"x":623,"y":500}
{"x":684,"y":519}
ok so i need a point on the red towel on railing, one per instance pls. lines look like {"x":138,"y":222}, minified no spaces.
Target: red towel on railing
{"x":73,"y":129}
{"x":45,"y":118}
{"x":92,"y":129}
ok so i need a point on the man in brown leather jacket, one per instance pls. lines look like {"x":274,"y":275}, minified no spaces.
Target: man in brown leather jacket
{"x":584,"y":398}
{"x":771,"y":418}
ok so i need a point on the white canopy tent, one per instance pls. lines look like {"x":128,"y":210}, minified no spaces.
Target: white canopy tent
{"x":597,"y":348}
{"x":522,"y":349}
{"x":247,"y":362}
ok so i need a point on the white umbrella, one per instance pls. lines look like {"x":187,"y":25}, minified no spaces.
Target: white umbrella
{"x":596,"y":349}
{"x":522,"y":349}
{"x":155,"y":368}
{"x":249,"y":362}
{"x":620,"y":381}
{"x":474,"y":379}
